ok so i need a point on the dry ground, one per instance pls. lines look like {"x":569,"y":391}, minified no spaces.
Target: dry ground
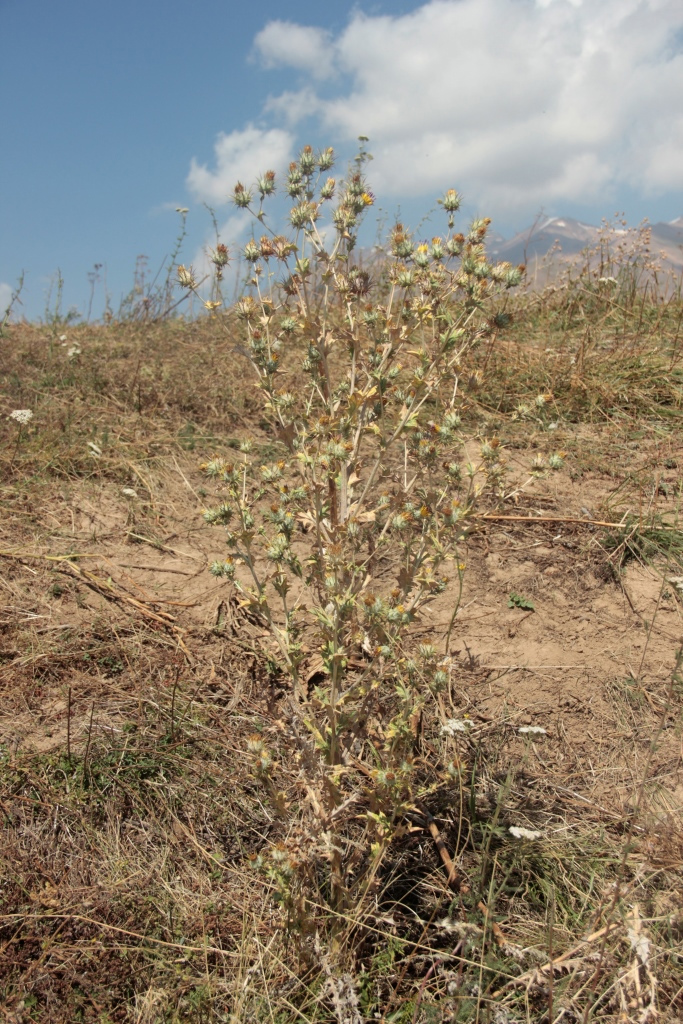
{"x":131,"y":681}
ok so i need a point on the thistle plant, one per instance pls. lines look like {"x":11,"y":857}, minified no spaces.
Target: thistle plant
{"x":340,"y":543}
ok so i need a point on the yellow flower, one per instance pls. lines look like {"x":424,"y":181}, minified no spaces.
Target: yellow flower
{"x":212,"y":305}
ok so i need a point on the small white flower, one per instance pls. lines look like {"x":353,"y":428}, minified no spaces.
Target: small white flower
{"x":22,"y":416}
{"x":73,"y":351}
{"x":524,"y":833}
{"x":94,"y":448}
{"x":454,"y":725}
{"x":62,"y":338}
{"x":532,"y":730}
{"x":129,"y":492}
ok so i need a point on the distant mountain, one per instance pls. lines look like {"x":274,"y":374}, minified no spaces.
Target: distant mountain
{"x":566,"y":238}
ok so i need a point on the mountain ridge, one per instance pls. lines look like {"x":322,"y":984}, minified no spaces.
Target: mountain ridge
{"x":563,"y":239}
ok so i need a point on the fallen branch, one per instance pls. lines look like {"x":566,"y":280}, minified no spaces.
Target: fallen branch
{"x":107,"y":590}
{"x":491,"y":517}
{"x":454,"y":880}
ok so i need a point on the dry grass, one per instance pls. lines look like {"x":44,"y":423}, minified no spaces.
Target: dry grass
{"x":134,"y":819}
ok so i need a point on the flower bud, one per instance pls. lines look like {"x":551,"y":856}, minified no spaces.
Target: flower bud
{"x":241,"y":196}
{"x":219,"y":256}
{"x":266,"y":183}
{"x":451,"y":201}
{"x":252,"y":252}
{"x":306,"y":161}
{"x":186,"y":278}
{"x":325,"y":158}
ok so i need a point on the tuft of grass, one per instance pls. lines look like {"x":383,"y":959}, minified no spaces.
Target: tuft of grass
{"x":656,"y":541}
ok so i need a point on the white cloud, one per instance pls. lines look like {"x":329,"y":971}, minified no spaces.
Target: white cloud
{"x":285,"y":44}
{"x":239,"y":156}
{"x":515,"y":102}
{"x":5,"y":297}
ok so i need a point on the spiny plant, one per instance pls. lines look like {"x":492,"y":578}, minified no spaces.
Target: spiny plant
{"x":340,"y":544}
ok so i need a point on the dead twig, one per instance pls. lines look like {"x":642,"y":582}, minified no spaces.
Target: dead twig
{"x":528,"y":976}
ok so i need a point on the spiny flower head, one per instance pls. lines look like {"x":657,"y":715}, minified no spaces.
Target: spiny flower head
{"x":437,"y":249}
{"x":303,"y":214}
{"x":241,"y":196}
{"x":327,"y":190}
{"x":282,"y":247}
{"x":186,"y":278}
{"x":219,"y":256}
{"x":266,"y":183}
{"x":451,"y":201}
{"x":400,"y":243}
{"x":421,"y":255}
{"x":294,"y":185}
{"x":252,"y":252}
{"x":307,"y":161}
{"x":325,"y":158}
{"x":246,"y":309}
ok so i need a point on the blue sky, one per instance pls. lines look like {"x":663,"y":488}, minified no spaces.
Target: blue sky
{"x":115,"y":114}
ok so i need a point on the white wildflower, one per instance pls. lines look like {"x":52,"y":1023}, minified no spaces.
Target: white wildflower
{"x":677,"y":582}
{"x":75,"y":350}
{"x":62,"y":338}
{"x":532,"y":730}
{"x":524,"y":833}
{"x":454,"y":725}
{"x":22,"y":416}
{"x":129,"y":492}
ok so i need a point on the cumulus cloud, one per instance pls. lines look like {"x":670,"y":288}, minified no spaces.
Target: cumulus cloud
{"x":516,"y":102}
{"x":239,"y":156}
{"x":285,"y":44}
